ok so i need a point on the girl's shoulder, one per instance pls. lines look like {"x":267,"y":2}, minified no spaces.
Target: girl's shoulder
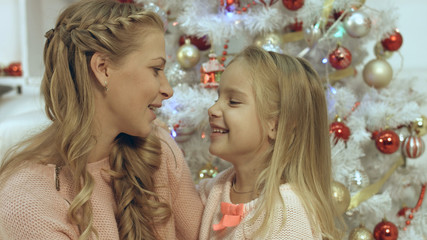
{"x":289,"y":195}
{"x":214,"y":185}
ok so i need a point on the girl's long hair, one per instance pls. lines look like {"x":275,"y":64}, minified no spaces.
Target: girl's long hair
{"x":86,"y":27}
{"x":287,"y":89}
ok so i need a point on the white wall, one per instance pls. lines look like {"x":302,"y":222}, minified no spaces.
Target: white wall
{"x":10,"y":31}
{"x":23,"y":24}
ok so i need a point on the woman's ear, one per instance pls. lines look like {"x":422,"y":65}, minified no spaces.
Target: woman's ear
{"x":272,"y":129}
{"x":99,"y":66}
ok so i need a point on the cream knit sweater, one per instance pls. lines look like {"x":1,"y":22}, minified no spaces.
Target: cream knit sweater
{"x":31,"y":208}
{"x":217,"y":190}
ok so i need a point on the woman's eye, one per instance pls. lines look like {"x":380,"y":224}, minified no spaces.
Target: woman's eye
{"x":157,"y":70}
{"x":232,"y":102}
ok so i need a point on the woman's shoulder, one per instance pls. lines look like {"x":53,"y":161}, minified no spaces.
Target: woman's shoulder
{"x":30,"y":177}
{"x":35,"y":181}
{"x":169,"y":148}
{"x":29,"y":196}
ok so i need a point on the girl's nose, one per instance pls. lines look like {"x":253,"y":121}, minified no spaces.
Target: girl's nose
{"x":214,"y":111}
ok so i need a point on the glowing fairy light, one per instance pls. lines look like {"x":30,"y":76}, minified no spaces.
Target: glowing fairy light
{"x":173,"y":133}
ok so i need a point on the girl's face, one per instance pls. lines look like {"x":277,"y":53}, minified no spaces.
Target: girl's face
{"x":138,"y":86}
{"x":236,"y":132}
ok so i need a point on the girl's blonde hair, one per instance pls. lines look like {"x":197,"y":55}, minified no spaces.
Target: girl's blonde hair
{"x":288,"y":90}
{"x":86,"y":27}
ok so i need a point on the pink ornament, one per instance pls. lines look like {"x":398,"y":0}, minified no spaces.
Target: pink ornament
{"x":413,"y":147}
{"x":210,"y":72}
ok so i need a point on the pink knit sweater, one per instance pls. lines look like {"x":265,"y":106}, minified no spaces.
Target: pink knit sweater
{"x":31,"y":208}
{"x":217,"y":190}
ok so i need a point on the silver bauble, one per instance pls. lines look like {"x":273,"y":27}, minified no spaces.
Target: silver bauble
{"x":272,"y":48}
{"x":357,"y":24}
{"x":312,"y":35}
{"x":377,"y":73}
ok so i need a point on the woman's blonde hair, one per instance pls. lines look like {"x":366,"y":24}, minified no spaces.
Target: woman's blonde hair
{"x":288,"y":90}
{"x":111,"y":28}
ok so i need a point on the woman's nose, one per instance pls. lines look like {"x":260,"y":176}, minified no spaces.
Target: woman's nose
{"x":165,"y":88}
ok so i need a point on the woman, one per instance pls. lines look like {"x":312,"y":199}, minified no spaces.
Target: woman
{"x":102,"y":169}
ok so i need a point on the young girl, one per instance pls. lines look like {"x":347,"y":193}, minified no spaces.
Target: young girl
{"x":101,"y":170}
{"x":270,"y":123}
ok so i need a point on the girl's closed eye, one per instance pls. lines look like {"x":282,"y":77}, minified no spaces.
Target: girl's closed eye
{"x":234,"y":102}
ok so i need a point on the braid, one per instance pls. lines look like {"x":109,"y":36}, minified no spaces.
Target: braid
{"x":110,"y":28}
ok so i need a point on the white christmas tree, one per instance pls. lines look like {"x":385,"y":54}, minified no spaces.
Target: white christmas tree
{"x":376,"y":126}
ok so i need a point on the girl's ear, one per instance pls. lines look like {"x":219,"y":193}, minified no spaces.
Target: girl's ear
{"x":272,"y":128}
{"x":99,"y":66}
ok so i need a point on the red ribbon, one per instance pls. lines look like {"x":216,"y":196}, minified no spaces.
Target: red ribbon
{"x":232,"y":215}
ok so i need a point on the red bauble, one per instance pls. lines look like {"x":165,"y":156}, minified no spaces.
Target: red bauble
{"x":413,"y":147}
{"x":340,"y":58}
{"x":387,"y":141}
{"x":340,"y":130}
{"x":202,"y":43}
{"x":385,"y":230}
{"x":393,"y":42}
{"x":14,"y":69}
{"x":293,"y":5}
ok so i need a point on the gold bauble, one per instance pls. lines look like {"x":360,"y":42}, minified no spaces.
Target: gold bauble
{"x":188,"y":55}
{"x":380,"y":52}
{"x":377,"y":73}
{"x":272,"y":38}
{"x":360,"y":233}
{"x":340,"y":196}
{"x":208,"y":171}
{"x":420,"y":126}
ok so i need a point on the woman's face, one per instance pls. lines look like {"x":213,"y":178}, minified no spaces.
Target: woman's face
{"x":137,"y":86}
